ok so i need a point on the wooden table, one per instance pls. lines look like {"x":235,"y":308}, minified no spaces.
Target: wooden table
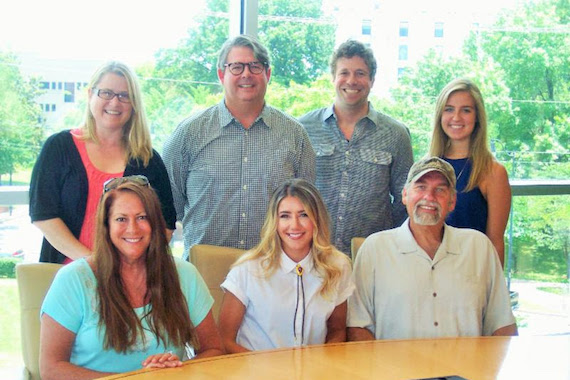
{"x":541,"y":357}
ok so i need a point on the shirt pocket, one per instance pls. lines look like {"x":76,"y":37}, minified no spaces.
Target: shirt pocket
{"x":377,"y":157}
{"x":323,"y":150}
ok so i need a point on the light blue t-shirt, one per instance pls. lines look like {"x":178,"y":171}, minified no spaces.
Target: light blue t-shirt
{"x":72,"y":302}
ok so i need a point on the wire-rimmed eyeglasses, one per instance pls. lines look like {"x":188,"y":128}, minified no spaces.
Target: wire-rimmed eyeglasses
{"x":108,"y":95}
{"x":255,"y":67}
{"x":113,"y":183}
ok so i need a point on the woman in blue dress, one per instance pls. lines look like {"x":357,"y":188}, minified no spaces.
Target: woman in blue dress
{"x":460,"y":137}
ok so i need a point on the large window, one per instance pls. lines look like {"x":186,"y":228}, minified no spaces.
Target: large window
{"x":516,"y":50}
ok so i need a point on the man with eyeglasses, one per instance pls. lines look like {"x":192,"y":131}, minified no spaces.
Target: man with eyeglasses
{"x":363,"y":156}
{"x":225,"y":161}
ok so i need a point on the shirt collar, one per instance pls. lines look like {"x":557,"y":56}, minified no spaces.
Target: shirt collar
{"x":226,"y":117}
{"x":407,"y":242}
{"x":329,"y":112}
{"x":288,"y":265}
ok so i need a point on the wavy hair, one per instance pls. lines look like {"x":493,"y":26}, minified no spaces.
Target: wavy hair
{"x":167,"y":316}
{"x":352,"y":48}
{"x":136,"y":135}
{"x":479,"y":152}
{"x":324,"y":253}
{"x":259,"y":51}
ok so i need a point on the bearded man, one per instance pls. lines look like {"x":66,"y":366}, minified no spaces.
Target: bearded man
{"x":426,"y":279}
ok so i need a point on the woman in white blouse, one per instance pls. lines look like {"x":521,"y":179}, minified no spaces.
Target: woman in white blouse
{"x":291,"y":289}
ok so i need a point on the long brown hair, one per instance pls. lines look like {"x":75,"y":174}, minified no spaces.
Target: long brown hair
{"x":168,"y":317}
{"x":136,"y":133}
{"x":269,"y":248}
{"x":479,"y":152}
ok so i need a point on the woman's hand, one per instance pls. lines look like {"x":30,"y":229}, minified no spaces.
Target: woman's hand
{"x":166,"y":360}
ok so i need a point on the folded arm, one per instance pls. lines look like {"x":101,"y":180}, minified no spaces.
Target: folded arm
{"x":60,"y":237}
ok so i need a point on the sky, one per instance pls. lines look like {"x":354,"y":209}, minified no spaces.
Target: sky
{"x":127,"y":30}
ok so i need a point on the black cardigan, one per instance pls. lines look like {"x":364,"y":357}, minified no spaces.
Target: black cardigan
{"x":59,"y":188}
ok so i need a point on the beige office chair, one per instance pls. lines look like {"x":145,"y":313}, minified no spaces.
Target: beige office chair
{"x":355,"y":244}
{"x":34,"y":280}
{"x":214,"y":263}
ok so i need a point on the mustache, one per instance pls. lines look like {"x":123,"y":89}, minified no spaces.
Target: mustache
{"x":423,"y":202}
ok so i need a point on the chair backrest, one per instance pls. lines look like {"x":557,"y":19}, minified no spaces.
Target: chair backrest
{"x":214,"y":263}
{"x":34,"y":280}
{"x":355,"y":244}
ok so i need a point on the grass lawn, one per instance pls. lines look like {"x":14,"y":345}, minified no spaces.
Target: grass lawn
{"x":10,"y":341}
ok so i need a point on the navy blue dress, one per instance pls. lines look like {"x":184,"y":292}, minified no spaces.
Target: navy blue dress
{"x":471,"y":207}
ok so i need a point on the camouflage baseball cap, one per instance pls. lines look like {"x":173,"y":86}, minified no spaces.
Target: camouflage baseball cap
{"x":431,"y":164}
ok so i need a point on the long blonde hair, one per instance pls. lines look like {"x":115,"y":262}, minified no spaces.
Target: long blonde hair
{"x":168,"y":317}
{"x":269,"y":248}
{"x":136,"y":134}
{"x":479,"y":153}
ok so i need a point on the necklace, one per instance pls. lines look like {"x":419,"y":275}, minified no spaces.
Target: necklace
{"x":462,"y":169}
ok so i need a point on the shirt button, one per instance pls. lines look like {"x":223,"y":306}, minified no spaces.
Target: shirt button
{"x":245,"y":187}
{"x":375,"y":159}
{"x":433,"y":267}
{"x":347,"y":152}
{"x":340,"y":218}
{"x":245,"y":159}
{"x":434,"y":294}
{"x":342,"y":195}
{"x":436,"y":324}
{"x":243,"y":214}
{"x":241,"y":242}
{"x":345,"y":174}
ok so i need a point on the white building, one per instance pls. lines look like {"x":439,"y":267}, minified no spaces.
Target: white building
{"x":400,"y":32}
{"x":63,"y":82}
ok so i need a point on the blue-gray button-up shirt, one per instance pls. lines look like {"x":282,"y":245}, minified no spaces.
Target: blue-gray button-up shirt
{"x":223,"y":175}
{"x":361,"y":180}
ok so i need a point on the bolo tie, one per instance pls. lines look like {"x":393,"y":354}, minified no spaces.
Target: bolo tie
{"x":300,"y":293}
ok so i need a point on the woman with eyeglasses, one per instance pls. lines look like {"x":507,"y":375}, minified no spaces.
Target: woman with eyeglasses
{"x":290,"y":290}
{"x":131,"y":304}
{"x":69,"y":173}
{"x":460,"y":137}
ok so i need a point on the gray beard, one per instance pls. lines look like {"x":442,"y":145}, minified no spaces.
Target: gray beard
{"x":424,"y":219}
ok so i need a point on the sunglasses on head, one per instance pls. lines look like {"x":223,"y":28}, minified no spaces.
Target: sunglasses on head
{"x":113,"y":183}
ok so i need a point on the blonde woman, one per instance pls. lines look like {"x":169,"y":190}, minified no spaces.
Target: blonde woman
{"x":460,"y":138}
{"x":114,"y":141}
{"x":291,"y":289}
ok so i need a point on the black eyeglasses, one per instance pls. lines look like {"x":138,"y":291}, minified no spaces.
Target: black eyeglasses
{"x":113,"y":183}
{"x":108,"y":95}
{"x":236,"y":68}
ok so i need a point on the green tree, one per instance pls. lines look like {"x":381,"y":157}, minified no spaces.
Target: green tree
{"x":194,"y":60}
{"x":532,"y":45}
{"x":20,"y":129}
{"x":522,"y":66}
{"x":298,"y":99}
{"x":299,"y":48}
{"x":414,"y":97}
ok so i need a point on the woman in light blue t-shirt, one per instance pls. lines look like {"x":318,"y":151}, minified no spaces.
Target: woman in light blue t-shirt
{"x":130,"y":305}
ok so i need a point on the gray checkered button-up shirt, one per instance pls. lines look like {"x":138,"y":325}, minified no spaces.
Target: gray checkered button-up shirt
{"x":361,"y":180}
{"x":223,"y":175}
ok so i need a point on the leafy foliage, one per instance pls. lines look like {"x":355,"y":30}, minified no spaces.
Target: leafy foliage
{"x":20,"y":131}
{"x":522,"y":66}
{"x":299,"y":51}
